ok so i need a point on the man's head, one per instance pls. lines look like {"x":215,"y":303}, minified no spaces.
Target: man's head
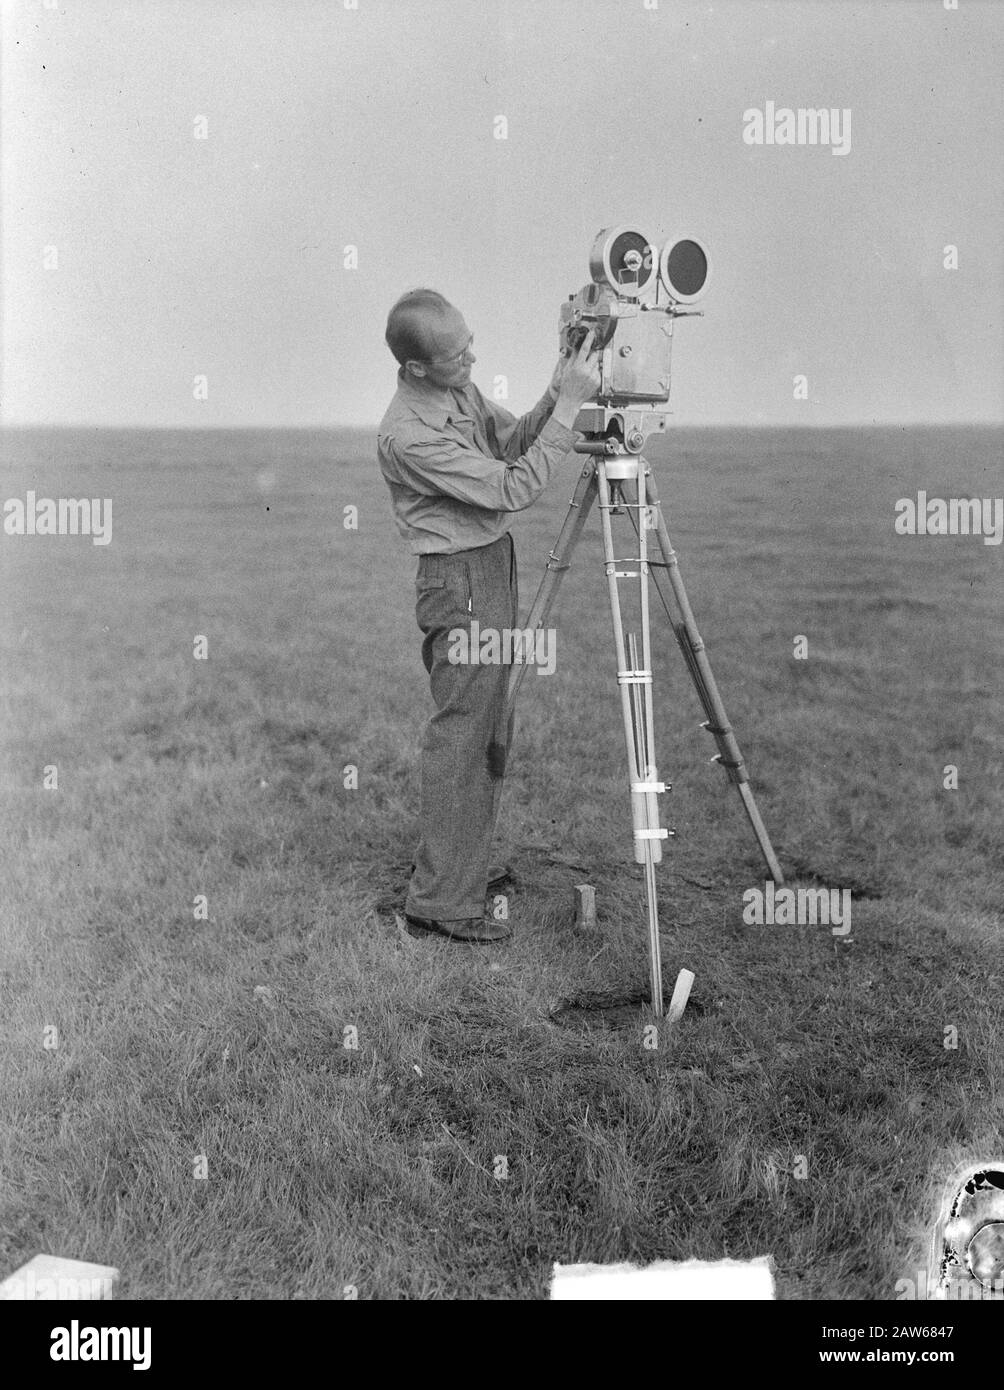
{"x":430,"y":339}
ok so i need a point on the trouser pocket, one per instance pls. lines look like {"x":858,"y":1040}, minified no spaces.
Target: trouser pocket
{"x":443,"y":598}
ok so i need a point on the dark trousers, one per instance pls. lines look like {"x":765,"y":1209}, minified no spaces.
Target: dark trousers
{"x":467,"y":740}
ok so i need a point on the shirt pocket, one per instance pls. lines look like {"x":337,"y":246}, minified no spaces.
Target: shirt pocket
{"x":472,"y":436}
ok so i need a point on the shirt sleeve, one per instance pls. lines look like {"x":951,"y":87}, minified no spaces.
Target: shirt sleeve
{"x":509,"y":436}
{"x":441,"y":464}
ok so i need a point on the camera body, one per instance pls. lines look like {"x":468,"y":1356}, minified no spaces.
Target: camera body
{"x":634,"y":341}
{"x":631,"y":304}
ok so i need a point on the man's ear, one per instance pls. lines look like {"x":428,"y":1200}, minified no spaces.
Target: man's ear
{"x":415,"y":368}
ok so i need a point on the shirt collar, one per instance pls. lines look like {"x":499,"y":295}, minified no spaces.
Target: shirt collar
{"x":434,"y":405}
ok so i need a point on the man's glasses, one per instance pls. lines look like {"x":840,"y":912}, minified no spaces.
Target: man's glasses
{"x":455,"y":361}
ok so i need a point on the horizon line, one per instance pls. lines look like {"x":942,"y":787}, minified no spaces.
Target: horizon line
{"x":978,"y":423}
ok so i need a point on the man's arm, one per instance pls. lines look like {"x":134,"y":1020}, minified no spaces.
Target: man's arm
{"x":441,"y":463}
{"x":511,"y":437}
{"x":432,"y":462}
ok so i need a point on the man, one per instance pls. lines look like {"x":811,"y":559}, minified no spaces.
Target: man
{"x":458,"y":467}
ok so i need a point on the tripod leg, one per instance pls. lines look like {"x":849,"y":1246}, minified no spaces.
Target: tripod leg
{"x":692,"y":646}
{"x":646,"y":657}
{"x":558,"y":562}
{"x":638,"y":740}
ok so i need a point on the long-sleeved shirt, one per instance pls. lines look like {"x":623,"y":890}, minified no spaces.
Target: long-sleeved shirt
{"x":458,"y":465}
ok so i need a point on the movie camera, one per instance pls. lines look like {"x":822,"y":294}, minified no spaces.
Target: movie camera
{"x":631,"y":303}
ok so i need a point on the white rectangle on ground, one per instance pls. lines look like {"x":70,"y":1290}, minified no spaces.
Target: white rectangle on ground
{"x":47,"y":1277}
{"x":691,"y":1279}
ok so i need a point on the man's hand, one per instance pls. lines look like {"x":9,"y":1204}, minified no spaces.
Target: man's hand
{"x":580,"y":381}
{"x":554,"y":387}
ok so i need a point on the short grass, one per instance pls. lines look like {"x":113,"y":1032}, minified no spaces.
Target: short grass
{"x":476,"y":1134}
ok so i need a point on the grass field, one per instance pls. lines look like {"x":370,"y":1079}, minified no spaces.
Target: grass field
{"x":374,"y":1169}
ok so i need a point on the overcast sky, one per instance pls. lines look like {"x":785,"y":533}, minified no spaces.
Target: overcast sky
{"x":375,"y":127}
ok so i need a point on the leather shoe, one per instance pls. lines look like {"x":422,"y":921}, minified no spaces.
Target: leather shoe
{"x":475,"y":930}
